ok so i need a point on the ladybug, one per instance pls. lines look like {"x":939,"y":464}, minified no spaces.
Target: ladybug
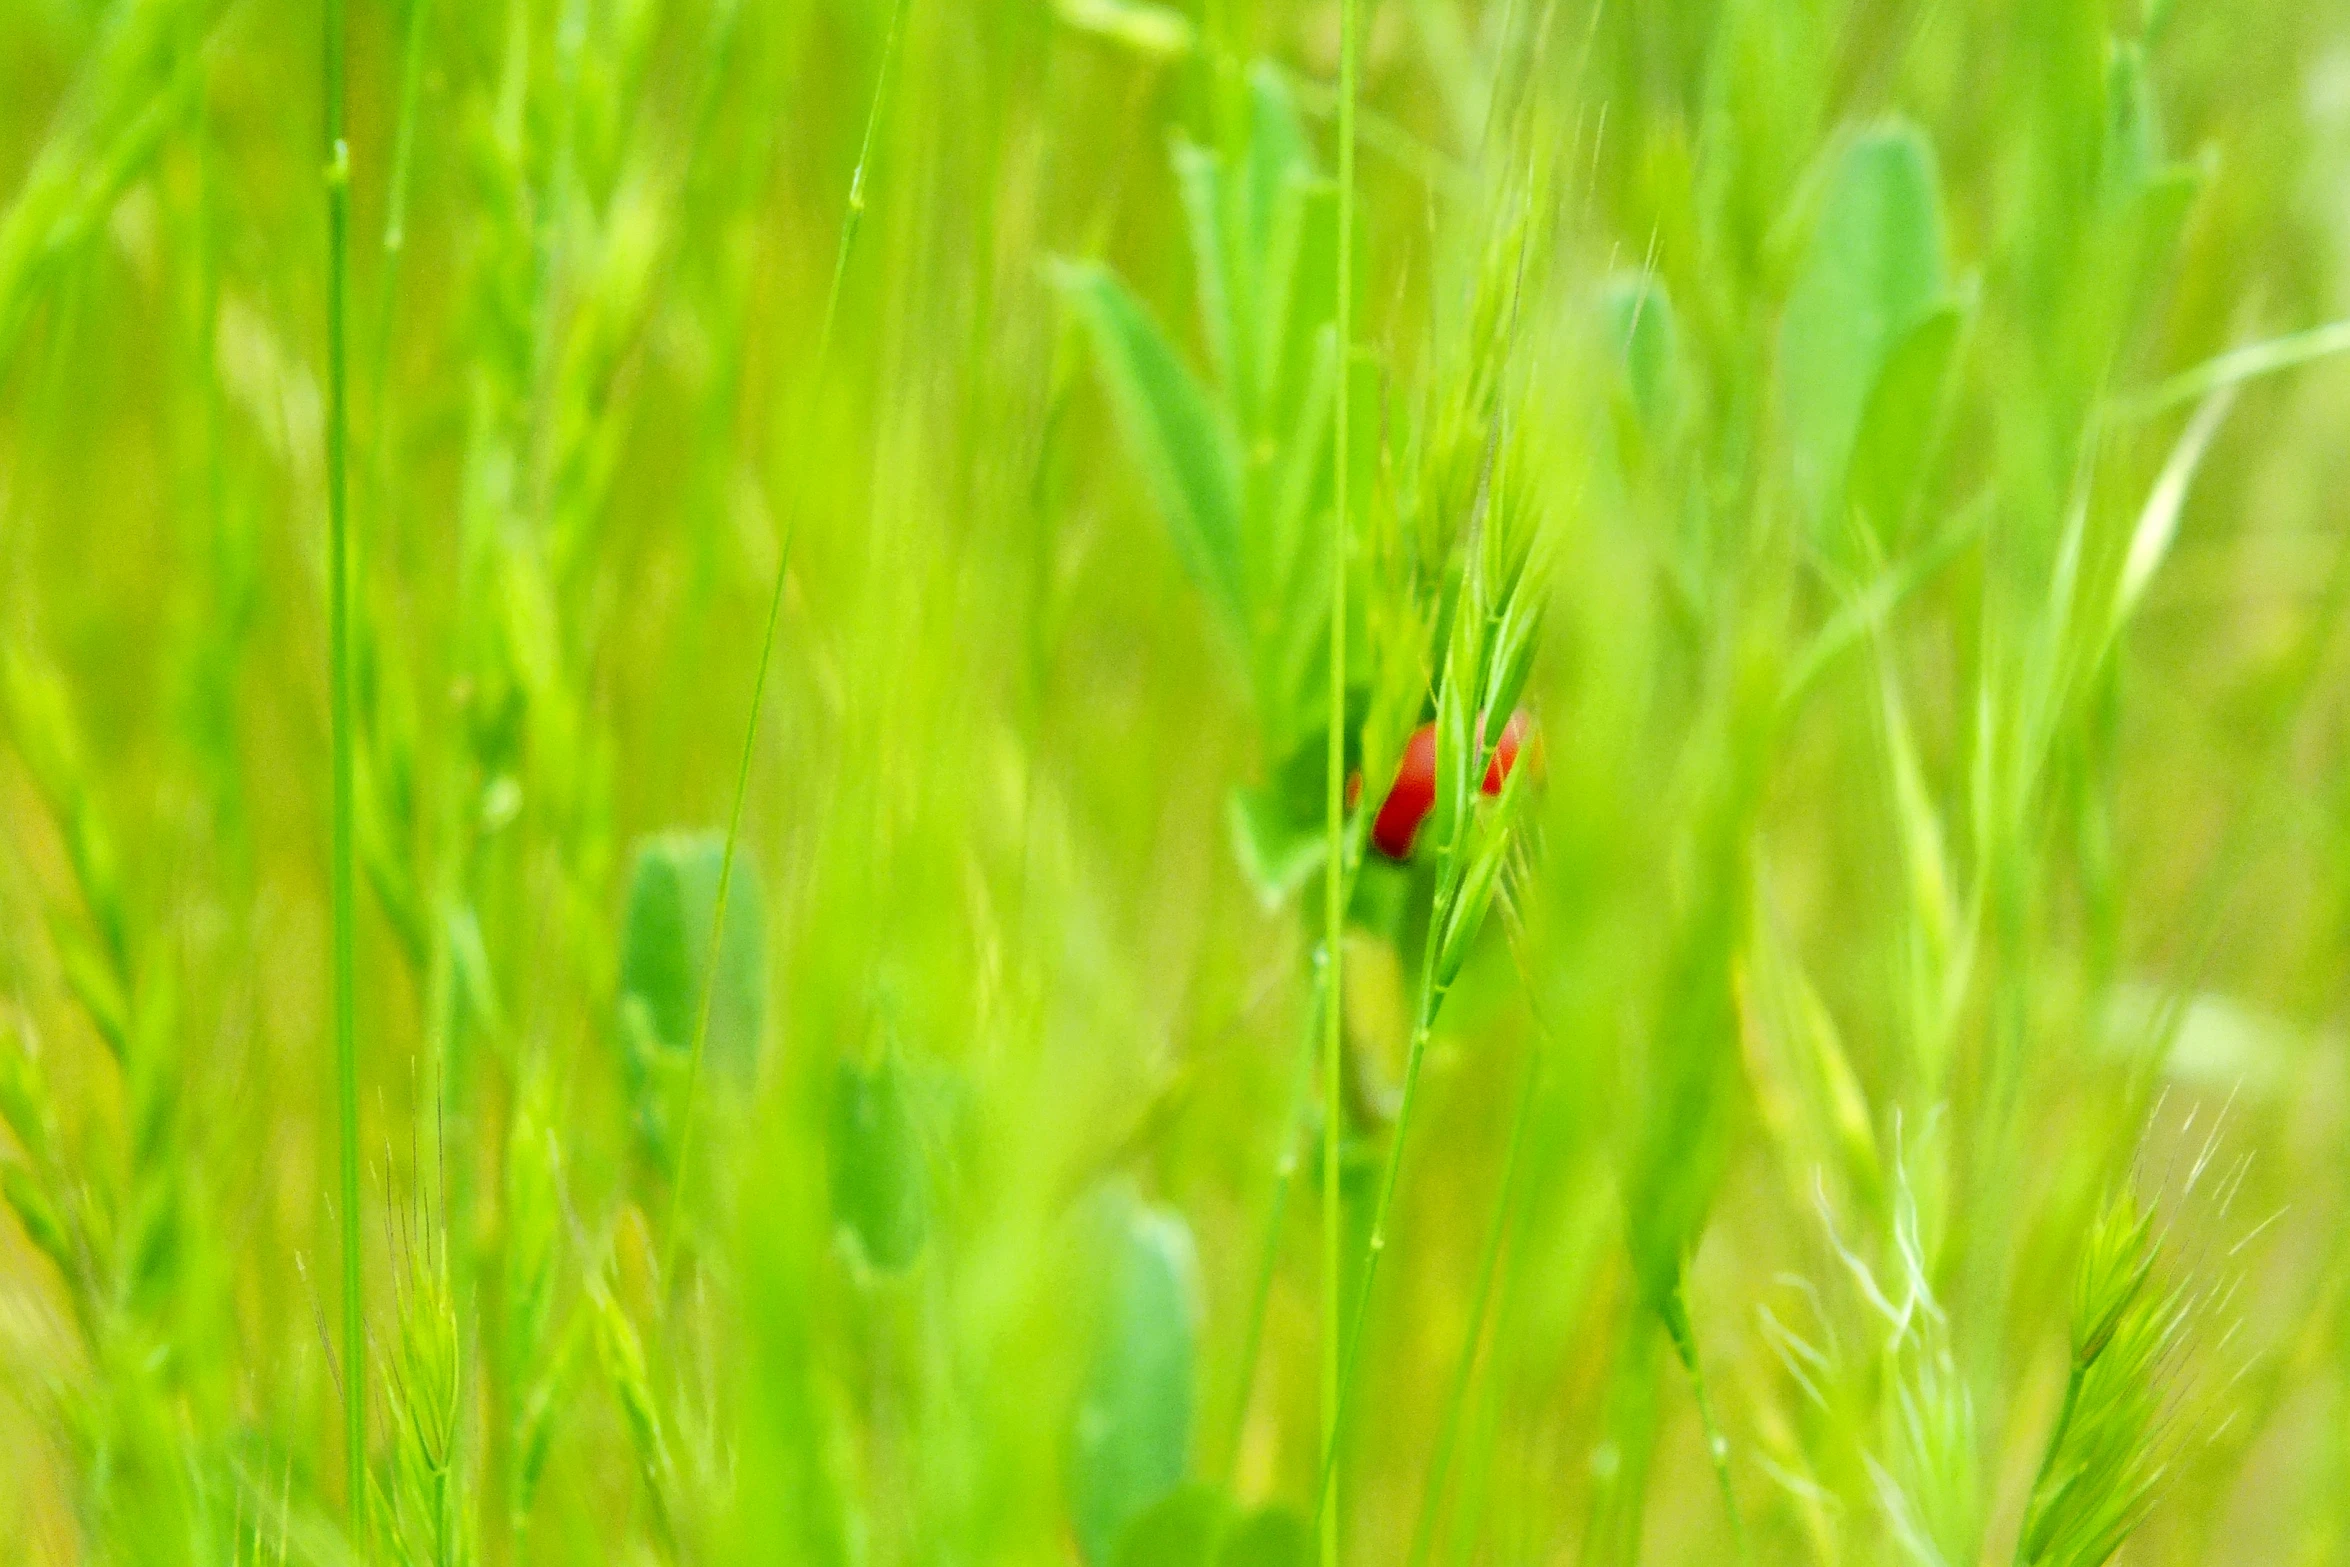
{"x":1413,"y":795}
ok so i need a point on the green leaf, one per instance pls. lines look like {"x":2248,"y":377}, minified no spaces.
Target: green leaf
{"x":1690,"y":1076}
{"x":1152,"y":30}
{"x":1278,"y":157}
{"x":1182,"y":1529}
{"x":1288,"y":227}
{"x":665,"y":949}
{"x":1277,"y":850}
{"x":1873,"y":270}
{"x":880,"y":1173}
{"x":1899,"y":421}
{"x":1270,"y":1537}
{"x":1132,"y":1442}
{"x":1199,"y":175}
{"x":1638,"y":317}
{"x":39,"y":1217}
{"x":2158,"y":522}
{"x":1488,"y":858}
{"x":2133,"y":127}
{"x":91,"y":978}
{"x":1188,"y":454}
{"x":1292,"y":537}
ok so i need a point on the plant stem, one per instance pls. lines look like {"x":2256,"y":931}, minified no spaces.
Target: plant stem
{"x":1334,"y":869}
{"x":2064,"y":1422}
{"x":395,"y":240}
{"x":1449,"y":879}
{"x":1284,"y":1177}
{"x":1422,"y":1026}
{"x":338,"y":598}
{"x":1717,"y":1446}
{"x":851,"y":221}
{"x":1456,"y":1399}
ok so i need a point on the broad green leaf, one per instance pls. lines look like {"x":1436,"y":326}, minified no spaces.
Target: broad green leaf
{"x":1873,"y":270}
{"x":1899,"y":421}
{"x":1187,"y":452}
{"x":1182,"y":1529}
{"x":1199,"y":174}
{"x":1270,"y":1537}
{"x":1278,"y":157}
{"x":665,"y":950}
{"x":1288,"y":233}
{"x":880,"y":1167}
{"x":1296,"y":537}
{"x":1638,"y":317}
{"x":1132,"y":1442}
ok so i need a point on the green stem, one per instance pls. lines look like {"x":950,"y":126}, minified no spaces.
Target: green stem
{"x":2238,"y":366}
{"x":1422,"y":1026}
{"x":1449,"y":878}
{"x":1456,"y":1399}
{"x":1676,"y":1317}
{"x":1334,"y":871}
{"x":851,"y":221}
{"x":338,"y":597}
{"x":1269,"y":1250}
{"x":395,"y":239}
{"x":2024,"y":1544}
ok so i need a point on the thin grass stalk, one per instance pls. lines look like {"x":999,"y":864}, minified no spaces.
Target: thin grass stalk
{"x":1450,"y":873}
{"x":1422,"y":1026}
{"x":1296,"y":1125}
{"x":338,"y":597}
{"x":851,"y":221}
{"x":1334,"y":868}
{"x":1717,"y":1445}
{"x":395,"y":240}
{"x":1464,"y":1369}
{"x":1269,"y":1249}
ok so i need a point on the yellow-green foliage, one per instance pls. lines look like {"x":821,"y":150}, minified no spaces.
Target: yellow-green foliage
{"x":881,"y":1028}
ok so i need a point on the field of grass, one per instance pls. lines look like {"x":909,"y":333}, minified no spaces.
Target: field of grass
{"x":697,"y":702}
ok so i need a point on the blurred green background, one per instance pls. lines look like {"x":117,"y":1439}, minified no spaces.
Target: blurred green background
{"x":1916,"y":425}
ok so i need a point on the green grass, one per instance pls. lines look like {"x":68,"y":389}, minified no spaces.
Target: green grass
{"x":721,"y":726}
{"x":354,"y":1356}
{"x":1334,"y":868}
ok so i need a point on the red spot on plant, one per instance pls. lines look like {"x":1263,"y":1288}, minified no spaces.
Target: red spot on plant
{"x":1410,"y":799}
{"x":1413,"y":794}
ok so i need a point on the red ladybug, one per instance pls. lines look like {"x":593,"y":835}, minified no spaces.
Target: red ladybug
{"x":1413,"y":794}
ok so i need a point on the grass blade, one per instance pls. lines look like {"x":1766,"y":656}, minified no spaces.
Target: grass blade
{"x":338,"y":224}
{"x":1334,"y":866}
{"x":850,"y":223}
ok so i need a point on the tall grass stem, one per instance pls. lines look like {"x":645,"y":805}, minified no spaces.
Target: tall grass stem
{"x":338,"y":598}
{"x":1334,"y":869}
{"x":851,"y":221}
{"x":1252,"y":1335}
{"x":1457,"y":1395}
